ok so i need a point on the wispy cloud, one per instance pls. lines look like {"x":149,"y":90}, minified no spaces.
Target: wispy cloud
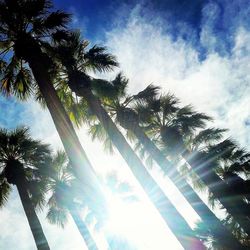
{"x":218,"y":85}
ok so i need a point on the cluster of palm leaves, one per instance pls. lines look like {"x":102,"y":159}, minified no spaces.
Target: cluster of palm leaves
{"x":43,"y":58}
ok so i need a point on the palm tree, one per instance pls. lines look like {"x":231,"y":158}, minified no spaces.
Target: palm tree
{"x":74,"y":62}
{"x":213,"y":243}
{"x":174,"y":127}
{"x":207,"y":237}
{"x":223,"y":154}
{"x":119,"y":106}
{"x":61,"y":200}
{"x":233,"y":164}
{"x":22,"y":161}
{"x":25,"y":29}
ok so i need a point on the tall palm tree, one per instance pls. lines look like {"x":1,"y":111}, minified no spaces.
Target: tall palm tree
{"x":175,"y":128}
{"x":213,"y":243}
{"x":226,"y":159}
{"x":75,"y":62}
{"x":26,"y":26}
{"x":22,"y":161}
{"x":61,"y":201}
{"x":232,"y":164}
{"x":129,"y":119}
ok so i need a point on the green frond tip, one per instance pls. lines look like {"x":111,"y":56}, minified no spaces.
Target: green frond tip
{"x":150,"y":92}
{"x":56,"y":19}
{"x":5,"y":190}
{"x":37,"y":190}
{"x":98,"y":59}
{"x":209,"y":135}
{"x":16,"y":79}
{"x":111,"y":90}
{"x":57,"y":216}
{"x":97,"y":131}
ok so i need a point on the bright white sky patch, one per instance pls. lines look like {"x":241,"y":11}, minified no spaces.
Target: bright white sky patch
{"x":139,"y":224}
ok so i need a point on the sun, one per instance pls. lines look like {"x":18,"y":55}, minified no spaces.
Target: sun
{"x":138,"y":224}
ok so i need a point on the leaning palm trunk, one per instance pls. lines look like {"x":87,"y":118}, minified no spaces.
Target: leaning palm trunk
{"x":40,"y":65}
{"x":34,"y":223}
{"x":212,"y":222}
{"x":241,"y":186}
{"x":88,"y":239}
{"x":171,"y":216}
{"x":235,"y":206}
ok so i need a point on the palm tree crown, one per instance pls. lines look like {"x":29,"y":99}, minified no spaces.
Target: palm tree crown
{"x":23,"y":163}
{"x":64,"y":188}
{"x":21,"y":158}
{"x":25,"y":25}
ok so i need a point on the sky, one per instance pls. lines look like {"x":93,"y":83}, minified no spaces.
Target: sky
{"x":198,"y":50}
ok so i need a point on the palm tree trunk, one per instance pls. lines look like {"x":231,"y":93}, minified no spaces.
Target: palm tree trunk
{"x":239,"y":185}
{"x":171,"y":216}
{"x":217,"y":228}
{"x":34,"y":223}
{"x":81,"y":165}
{"x":82,"y":228}
{"x":235,"y":206}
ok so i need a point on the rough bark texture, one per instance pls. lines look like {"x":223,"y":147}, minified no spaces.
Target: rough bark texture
{"x":172,"y":217}
{"x":34,"y":223}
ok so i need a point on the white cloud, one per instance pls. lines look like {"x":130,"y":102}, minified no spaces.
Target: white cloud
{"x":14,"y":226}
{"x":219,"y":86}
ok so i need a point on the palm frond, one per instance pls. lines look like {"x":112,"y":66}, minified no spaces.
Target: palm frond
{"x":59,"y":36}
{"x":35,"y":8}
{"x":208,"y":136}
{"x":145,"y":114}
{"x":97,"y":131}
{"x":150,"y":92}
{"x":58,"y":216}
{"x":120,"y":84}
{"x":189,"y":123}
{"x":222,"y":150}
{"x":206,"y":235}
{"x":97,"y":59}
{"x":168,"y":103}
{"x":16,"y":79}
{"x":130,"y":136}
{"x":103,"y":89}
{"x":212,"y":200}
{"x":23,"y":85}
{"x":37,"y":190}
{"x":5,"y":190}
{"x":56,"y":20}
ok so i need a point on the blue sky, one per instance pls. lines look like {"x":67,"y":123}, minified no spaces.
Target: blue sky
{"x":198,"y":50}
{"x":181,"y":18}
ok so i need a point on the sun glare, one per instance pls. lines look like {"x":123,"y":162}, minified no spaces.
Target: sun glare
{"x":138,"y":224}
